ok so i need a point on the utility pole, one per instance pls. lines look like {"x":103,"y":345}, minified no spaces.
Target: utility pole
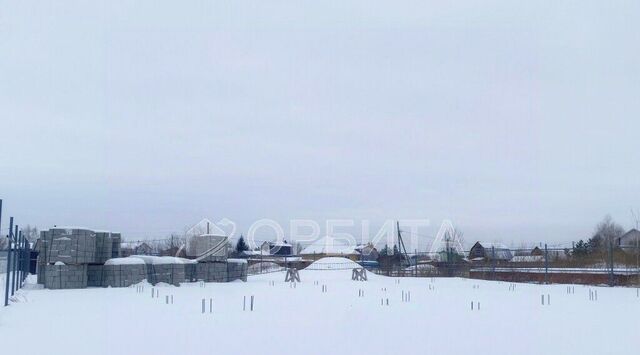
{"x":401,"y":244}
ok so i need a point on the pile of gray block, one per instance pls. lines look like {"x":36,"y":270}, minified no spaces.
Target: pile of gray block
{"x":221,"y":271}
{"x":123,"y":275}
{"x":65,"y":276}
{"x":172,"y":274}
{"x":78,"y":258}
{"x":236,"y":269}
{"x":73,"y":245}
{"x":212,"y":272}
{"x":72,"y":257}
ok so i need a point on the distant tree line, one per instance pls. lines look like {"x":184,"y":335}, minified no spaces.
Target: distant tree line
{"x":603,"y":238}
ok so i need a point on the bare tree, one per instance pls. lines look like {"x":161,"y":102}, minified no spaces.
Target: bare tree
{"x":31,"y":233}
{"x":454,"y":242}
{"x":607,"y":231}
{"x":635,"y":217}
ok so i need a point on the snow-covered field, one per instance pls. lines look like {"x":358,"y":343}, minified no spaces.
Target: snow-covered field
{"x":304,"y":320}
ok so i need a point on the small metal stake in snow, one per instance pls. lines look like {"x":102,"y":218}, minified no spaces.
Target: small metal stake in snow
{"x":171,"y":299}
{"x":203,"y":306}
{"x":251,"y":303}
{"x":210,"y":305}
{"x":166,"y":299}
{"x":472,"y":305}
{"x":548,"y":299}
{"x":542,"y":299}
{"x":244,"y":303}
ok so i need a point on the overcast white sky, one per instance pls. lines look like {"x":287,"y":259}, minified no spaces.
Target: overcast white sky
{"x":520,"y":122}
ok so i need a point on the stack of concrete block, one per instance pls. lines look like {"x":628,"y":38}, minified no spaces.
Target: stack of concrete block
{"x":69,"y":246}
{"x":107,"y":245}
{"x":212,"y":272}
{"x":123,"y":275}
{"x":60,"y":276}
{"x":166,"y":269}
{"x":77,"y":246}
{"x":116,"y":240}
{"x":190,"y":272}
{"x":95,"y":275}
{"x":80,"y":250}
{"x":236,"y":269}
{"x":212,"y":247}
{"x":172,"y":274}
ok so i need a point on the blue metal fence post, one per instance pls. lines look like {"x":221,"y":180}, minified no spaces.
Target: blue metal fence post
{"x":18,"y":261}
{"x":21,"y":273}
{"x":24,"y":260}
{"x":6,"y":288}
{"x":15,"y":260}
{"x":27,"y":260}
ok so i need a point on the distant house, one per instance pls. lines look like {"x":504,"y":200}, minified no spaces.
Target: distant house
{"x":629,"y":240}
{"x":528,"y":256}
{"x":537,"y":252}
{"x":490,"y":251}
{"x":143,"y":249}
{"x":368,"y":252}
{"x":271,"y":249}
{"x":281,"y":249}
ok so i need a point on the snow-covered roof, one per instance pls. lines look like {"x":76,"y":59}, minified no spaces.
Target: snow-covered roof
{"x":125,"y":261}
{"x":280,"y":244}
{"x":490,"y":250}
{"x":495,"y":245}
{"x":237,"y":261}
{"x":254,"y":252}
{"x":329,"y":245}
{"x":163,"y":260}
